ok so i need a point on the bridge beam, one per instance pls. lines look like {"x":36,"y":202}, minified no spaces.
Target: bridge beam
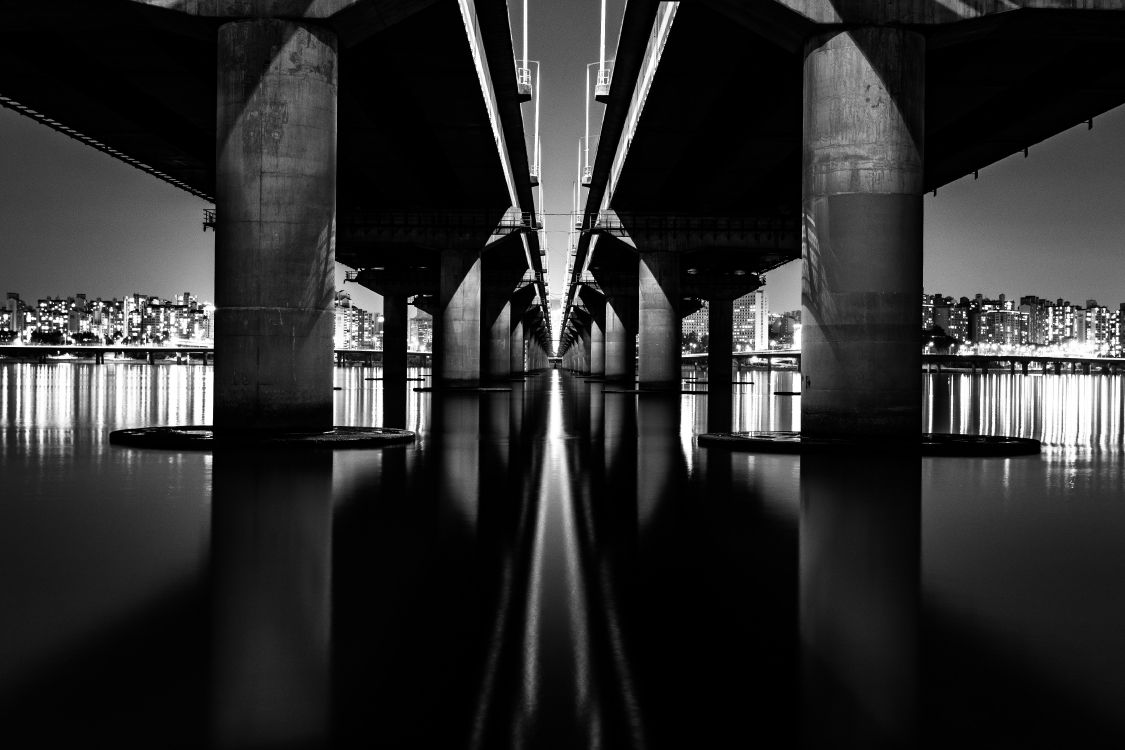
{"x":862,"y":244}
{"x":274,"y":253}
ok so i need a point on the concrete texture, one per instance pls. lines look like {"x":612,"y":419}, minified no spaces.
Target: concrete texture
{"x":274,"y":255}
{"x":457,"y":324}
{"x":659,"y":321}
{"x":863,"y":233}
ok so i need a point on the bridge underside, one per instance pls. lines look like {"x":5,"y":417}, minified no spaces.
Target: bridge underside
{"x":417,"y":172}
{"x":828,"y":121}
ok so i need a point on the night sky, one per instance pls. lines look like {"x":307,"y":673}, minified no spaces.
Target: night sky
{"x":75,"y":220}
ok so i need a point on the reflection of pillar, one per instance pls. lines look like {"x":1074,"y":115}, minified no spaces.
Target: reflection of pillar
{"x":659,"y":321}
{"x":275,"y":191}
{"x":394,"y":360}
{"x":659,"y":452}
{"x":860,"y":554}
{"x":516,"y":350}
{"x":457,"y":324}
{"x":720,"y":345}
{"x":864,"y":107}
{"x":271,"y":556}
{"x":620,"y":338}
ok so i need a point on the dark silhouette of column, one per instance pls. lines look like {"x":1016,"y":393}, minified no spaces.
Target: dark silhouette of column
{"x":394,"y":359}
{"x":275,"y":195}
{"x":720,"y":345}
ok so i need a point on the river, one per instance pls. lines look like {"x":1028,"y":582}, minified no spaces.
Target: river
{"x":557,"y":567}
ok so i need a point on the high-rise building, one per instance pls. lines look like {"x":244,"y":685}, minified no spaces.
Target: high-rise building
{"x":752,"y":321}
{"x":695,"y":329}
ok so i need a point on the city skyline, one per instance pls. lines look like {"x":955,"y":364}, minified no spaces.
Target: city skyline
{"x":1048,"y":221}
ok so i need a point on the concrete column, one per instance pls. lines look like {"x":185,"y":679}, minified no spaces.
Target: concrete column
{"x":620,"y":339}
{"x":659,"y":321}
{"x":597,"y":345}
{"x":276,"y":198}
{"x":457,"y":324}
{"x":720,"y":344}
{"x":862,"y":243}
{"x":497,"y":357}
{"x":394,"y":360}
{"x":516,"y":350}
{"x":585,"y":351}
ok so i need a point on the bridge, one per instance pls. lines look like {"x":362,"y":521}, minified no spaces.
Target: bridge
{"x":740,"y":136}
{"x":387,"y":135}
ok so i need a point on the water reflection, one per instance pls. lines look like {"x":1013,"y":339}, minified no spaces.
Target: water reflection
{"x":557,"y":566}
{"x":859,"y":596}
{"x":271,"y":573}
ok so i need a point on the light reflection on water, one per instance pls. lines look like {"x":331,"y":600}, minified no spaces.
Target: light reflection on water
{"x":556,"y":567}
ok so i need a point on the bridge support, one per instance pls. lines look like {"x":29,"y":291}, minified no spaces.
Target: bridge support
{"x":620,"y":338}
{"x":862,"y":240}
{"x":274,"y":252}
{"x":497,"y":340}
{"x":720,"y":345}
{"x":516,"y":346}
{"x":457,"y":324}
{"x":659,"y":321}
{"x":395,"y":308}
{"x":597,"y":342}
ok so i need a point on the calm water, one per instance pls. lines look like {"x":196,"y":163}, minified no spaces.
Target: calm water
{"x":557,"y":567}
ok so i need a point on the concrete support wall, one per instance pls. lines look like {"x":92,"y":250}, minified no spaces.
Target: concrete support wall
{"x":862,"y":243}
{"x":516,"y":350}
{"x":275,"y":197}
{"x":395,"y":310}
{"x":659,"y":326}
{"x":620,"y":338}
{"x":457,"y":324}
{"x":720,"y":344}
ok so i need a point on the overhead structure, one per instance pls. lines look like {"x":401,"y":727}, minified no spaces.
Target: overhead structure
{"x":813,"y":133}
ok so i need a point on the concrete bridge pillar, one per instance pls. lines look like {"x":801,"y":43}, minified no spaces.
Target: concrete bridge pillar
{"x":597,"y":343}
{"x":862,"y":235}
{"x":275,"y":260}
{"x":720,"y":345}
{"x":275,"y":197}
{"x":394,"y":359}
{"x":516,"y":350}
{"x":659,"y":321}
{"x":620,"y":338}
{"x":457,"y":323}
{"x":497,"y":355}
{"x":586,"y":344}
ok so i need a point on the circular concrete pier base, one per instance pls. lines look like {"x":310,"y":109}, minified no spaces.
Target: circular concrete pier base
{"x":931,"y":444}
{"x":204,"y":437}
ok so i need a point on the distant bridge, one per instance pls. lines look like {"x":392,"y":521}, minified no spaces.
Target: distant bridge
{"x":98,"y":352}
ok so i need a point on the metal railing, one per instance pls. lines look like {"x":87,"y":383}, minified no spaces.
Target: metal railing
{"x":603,"y":81}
